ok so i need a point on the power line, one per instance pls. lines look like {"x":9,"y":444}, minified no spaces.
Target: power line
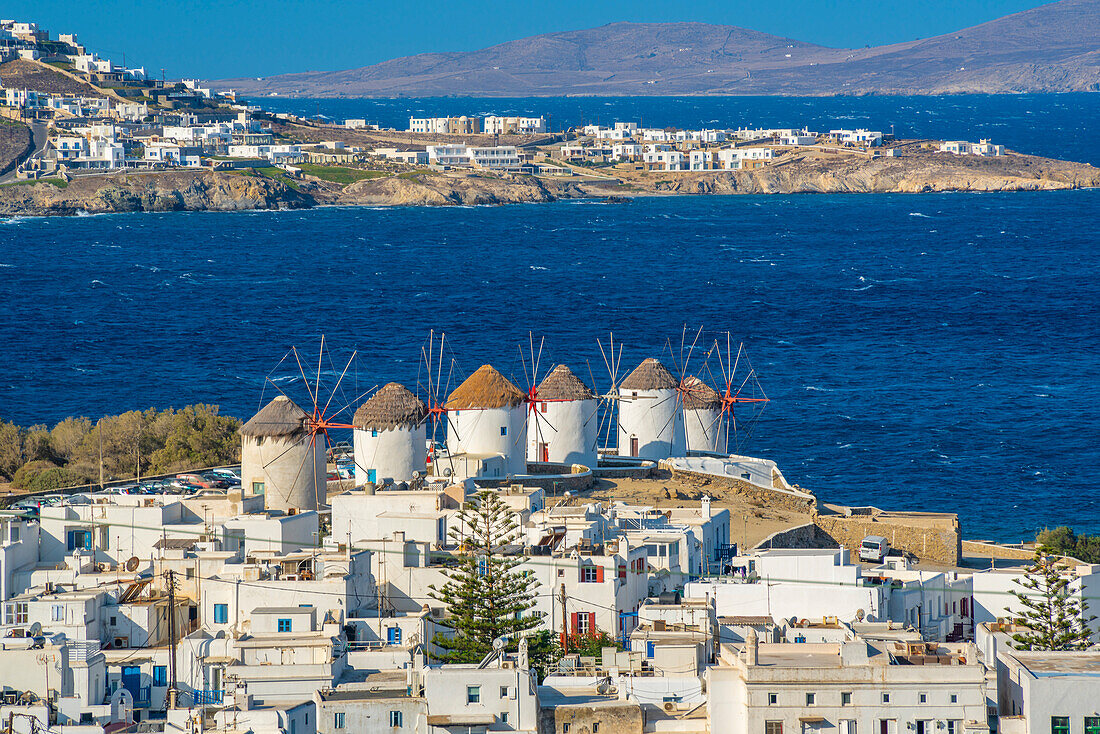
{"x":382,"y":550}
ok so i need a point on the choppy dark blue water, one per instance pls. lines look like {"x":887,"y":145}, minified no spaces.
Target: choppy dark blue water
{"x":935,"y":352}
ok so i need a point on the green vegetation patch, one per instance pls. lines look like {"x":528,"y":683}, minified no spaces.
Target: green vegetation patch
{"x":156,"y":441}
{"x":338,"y":174}
{"x":277,"y":174}
{"x":1064,"y":542}
{"x":58,"y":182}
{"x":417,"y":174}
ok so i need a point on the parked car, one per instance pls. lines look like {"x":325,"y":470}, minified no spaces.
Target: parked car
{"x":874,"y":549}
{"x":216,"y":480}
{"x":230,"y":475}
{"x":196,"y":479}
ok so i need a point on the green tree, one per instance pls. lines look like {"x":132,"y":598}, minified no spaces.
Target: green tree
{"x":197,"y":435}
{"x":11,"y":449}
{"x":66,"y":437}
{"x":41,"y":475}
{"x":1052,"y":618}
{"x":1063,"y":541}
{"x":486,"y":595}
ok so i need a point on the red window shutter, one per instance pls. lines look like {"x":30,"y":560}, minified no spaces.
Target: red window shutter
{"x":622,"y":570}
{"x":592,"y":624}
{"x":599,"y":574}
{"x":575,"y":622}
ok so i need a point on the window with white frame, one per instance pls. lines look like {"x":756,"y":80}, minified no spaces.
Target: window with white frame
{"x":16,"y":613}
{"x":338,"y":720}
{"x":396,"y":719}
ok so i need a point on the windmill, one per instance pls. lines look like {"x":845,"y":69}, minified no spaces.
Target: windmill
{"x":284,"y":446}
{"x":561,"y":411}
{"x":738,"y":385}
{"x":432,"y":391}
{"x":608,"y":399}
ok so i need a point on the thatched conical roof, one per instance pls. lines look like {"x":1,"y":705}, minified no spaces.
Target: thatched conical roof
{"x":391,"y":407}
{"x":649,"y":375}
{"x":698,"y":395}
{"x":281,"y":418}
{"x":562,"y":384}
{"x":486,"y":388}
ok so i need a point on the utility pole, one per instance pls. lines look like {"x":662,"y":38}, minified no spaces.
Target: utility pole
{"x":564,"y":620}
{"x":99,"y":433}
{"x":173,"y":691}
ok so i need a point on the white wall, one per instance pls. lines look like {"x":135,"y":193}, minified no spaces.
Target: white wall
{"x":568,"y":428}
{"x":655,"y":418}
{"x":479,"y":431}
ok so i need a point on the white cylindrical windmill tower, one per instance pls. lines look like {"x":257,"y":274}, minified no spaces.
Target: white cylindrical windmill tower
{"x":562,"y":426}
{"x":282,"y":458}
{"x":487,"y":415}
{"x":651,"y":422}
{"x":704,"y":428}
{"x":389,"y":436}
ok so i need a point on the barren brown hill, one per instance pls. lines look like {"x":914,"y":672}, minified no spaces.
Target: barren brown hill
{"x":1052,"y":48}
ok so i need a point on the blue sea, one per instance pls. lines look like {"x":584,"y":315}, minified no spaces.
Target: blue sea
{"x":928,"y":352}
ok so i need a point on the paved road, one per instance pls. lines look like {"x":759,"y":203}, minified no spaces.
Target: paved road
{"x":38,"y":134}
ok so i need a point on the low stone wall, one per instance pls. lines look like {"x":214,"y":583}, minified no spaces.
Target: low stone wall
{"x":800,"y":536}
{"x":580,"y":478}
{"x":643,"y":471}
{"x":937,"y":542}
{"x":770,"y":496}
{"x":994,"y":550}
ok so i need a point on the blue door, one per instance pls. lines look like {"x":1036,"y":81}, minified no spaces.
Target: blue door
{"x":372,"y":475}
{"x":131,"y":680}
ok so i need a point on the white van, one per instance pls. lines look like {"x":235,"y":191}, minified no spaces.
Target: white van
{"x":874,"y":549}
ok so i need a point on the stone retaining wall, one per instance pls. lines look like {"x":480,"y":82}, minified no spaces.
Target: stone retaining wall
{"x":800,"y":536}
{"x":994,"y":550}
{"x":940,"y":543}
{"x":771,"y":497}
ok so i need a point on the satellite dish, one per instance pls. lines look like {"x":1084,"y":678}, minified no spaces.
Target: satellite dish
{"x":860,"y":614}
{"x":499,"y":643}
{"x":416,"y":475}
{"x":36,"y":629}
{"x":447,"y":471}
{"x":133,"y":563}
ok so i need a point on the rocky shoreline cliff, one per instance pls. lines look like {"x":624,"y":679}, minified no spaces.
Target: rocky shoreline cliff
{"x":204,"y":190}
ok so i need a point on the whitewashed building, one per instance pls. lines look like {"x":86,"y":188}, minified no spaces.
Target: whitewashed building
{"x":704,"y":428}
{"x":651,"y":422}
{"x":281,"y":459}
{"x":487,"y":418}
{"x":389,"y":436}
{"x":562,"y":426}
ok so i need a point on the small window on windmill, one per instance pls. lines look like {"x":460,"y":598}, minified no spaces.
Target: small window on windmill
{"x":504,"y":430}
{"x":542,"y":407}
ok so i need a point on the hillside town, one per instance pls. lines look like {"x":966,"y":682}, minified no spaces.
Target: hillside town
{"x":97,"y":116}
{"x":318,"y":587}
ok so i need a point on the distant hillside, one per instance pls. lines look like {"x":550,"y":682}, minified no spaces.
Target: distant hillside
{"x":1053,"y":48}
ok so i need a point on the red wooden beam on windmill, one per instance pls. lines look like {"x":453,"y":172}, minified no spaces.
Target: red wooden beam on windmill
{"x":433,"y":391}
{"x":284,"y":446}
{"x":738,"y":385}
{"x":561,"y":411}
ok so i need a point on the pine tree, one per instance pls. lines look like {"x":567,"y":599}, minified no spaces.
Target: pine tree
{"x":486,"y":596}
{"x":1052,"y":618}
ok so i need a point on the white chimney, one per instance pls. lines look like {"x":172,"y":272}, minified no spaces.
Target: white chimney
{"x":705,"y":504}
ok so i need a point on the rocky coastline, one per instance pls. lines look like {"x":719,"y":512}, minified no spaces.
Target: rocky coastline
{"x":205,"y":190}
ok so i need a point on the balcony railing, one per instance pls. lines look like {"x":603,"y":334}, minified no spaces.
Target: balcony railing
{"x":208,"y":698}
